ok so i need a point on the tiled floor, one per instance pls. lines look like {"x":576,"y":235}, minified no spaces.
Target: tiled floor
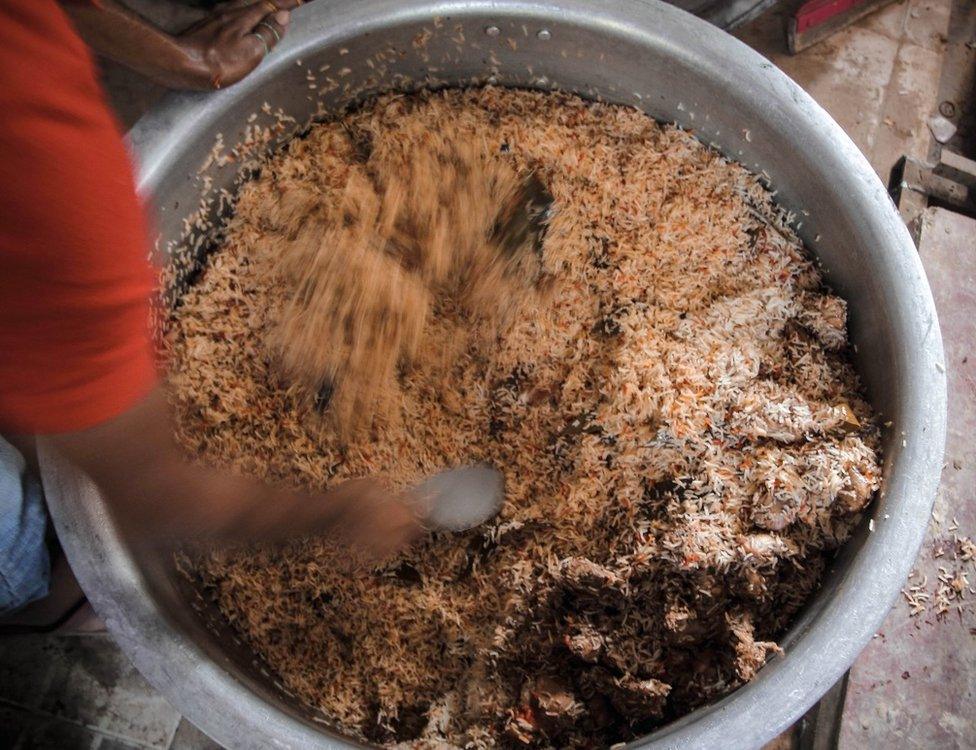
{"x":70,"y":692}
{"x":879,"y":79}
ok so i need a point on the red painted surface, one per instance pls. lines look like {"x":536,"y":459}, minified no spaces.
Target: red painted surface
{"x":816,"y":12}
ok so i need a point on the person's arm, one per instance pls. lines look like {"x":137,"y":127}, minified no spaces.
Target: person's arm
{"x":159,"y":495}
{"x":217,"y":51}
{"x":76,"y":357}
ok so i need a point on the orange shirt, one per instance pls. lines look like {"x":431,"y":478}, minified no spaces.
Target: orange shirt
{"x":75,"y":281}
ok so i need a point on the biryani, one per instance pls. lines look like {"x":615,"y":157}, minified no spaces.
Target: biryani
{"x":682,"y":433}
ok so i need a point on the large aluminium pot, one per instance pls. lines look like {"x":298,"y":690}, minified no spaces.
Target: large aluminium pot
{"x":676,"y":68}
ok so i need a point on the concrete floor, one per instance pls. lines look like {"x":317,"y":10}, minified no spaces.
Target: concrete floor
{"x":880,"y":80}
{"x":79,"y":691}
{"x":914,"y":686}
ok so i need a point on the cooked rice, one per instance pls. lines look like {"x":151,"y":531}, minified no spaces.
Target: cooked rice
{"x":679,"y":424}
{"x":423,"y":220}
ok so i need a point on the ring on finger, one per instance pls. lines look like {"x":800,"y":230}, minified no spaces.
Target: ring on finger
{"x":272,"y":8}
{"x":264,"y":43}
{"x":273,"y":30}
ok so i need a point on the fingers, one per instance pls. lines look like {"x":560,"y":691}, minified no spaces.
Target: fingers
{"x":233,"y":5}
{"x":230,"y":5}
{"x":237,"y":18}
{"x":270,"y":29}
{"x":258,"y":47}
{"x":245,"y":20}
{"x":265,"y":35}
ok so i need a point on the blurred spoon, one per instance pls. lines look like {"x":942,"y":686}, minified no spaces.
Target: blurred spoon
{"x":460,"y":499}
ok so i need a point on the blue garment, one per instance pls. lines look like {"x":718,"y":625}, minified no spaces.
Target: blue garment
{"x":25,"y":568}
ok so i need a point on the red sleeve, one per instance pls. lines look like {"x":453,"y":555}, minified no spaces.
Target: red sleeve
{"x":75,"y":281}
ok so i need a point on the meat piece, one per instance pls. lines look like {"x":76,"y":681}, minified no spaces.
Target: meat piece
{"x":585,"y":644}
{"x":698,"y":543}
{"x":767,"y":547}
{"x":843,"y":473}
{"x":556,"y":704}
{"x":825,"y":316}
{"x":776,"y":504}
{"x":752,"y":584}
{"x":683,"y":625}
{"x":859,"y":473}
{"x":750,"y":654}
{"x":522,"y":725}
{"x":774,"y":411}
{"x":804,"y":486}
{"x":546,"y":708}
{"x":634,"y":698}
{"x":584,"y":576}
